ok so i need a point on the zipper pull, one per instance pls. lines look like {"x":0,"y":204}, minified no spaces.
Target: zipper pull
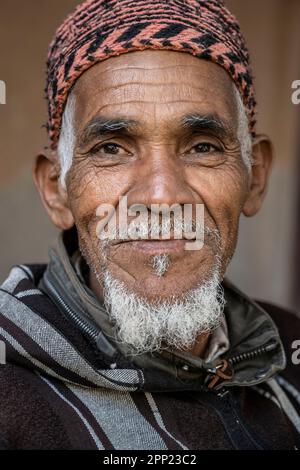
{"x":222,"y":371}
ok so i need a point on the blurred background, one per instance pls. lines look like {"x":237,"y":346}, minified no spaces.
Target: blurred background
{"x":267,"y":261}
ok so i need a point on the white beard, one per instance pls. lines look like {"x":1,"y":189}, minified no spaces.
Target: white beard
{"x":169,"y":324}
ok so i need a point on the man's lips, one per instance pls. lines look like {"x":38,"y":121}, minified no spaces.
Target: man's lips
{"x":154,"y":246}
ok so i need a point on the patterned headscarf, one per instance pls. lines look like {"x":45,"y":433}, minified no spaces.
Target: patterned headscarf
{"x":99,"y":29}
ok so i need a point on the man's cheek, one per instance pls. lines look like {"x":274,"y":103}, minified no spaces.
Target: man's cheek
{"x":232,"y":195}
{"x":226,"y":219}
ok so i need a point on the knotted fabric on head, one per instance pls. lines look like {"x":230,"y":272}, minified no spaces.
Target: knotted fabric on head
{"x":99,"y":29}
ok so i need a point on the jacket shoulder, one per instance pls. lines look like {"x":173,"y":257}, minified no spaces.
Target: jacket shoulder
{"x":287,"y":322}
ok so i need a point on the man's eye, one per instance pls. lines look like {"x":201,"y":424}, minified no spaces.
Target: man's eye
{"x":204,"y":148}
{"x":109,"y":148}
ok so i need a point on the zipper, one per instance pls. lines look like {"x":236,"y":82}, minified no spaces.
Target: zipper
{"x":83,"y":325}
{"x":252,"y":354}
{"x":225,"y":369}
{"x":92,"y":332}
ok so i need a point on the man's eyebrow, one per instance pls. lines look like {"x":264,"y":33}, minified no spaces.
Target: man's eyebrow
{"x":101,"y":126}
{"x":212,"y":123}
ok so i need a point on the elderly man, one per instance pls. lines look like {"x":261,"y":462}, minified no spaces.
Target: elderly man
{"x":133,"y":339}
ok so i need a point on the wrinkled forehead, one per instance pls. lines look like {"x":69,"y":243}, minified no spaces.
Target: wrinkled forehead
{"x":155,"y":87}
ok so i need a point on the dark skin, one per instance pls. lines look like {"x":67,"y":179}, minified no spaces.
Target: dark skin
{"x":157,"y":160}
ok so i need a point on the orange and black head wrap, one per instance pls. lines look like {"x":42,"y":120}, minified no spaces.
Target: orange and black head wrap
{"x":99,"y":29}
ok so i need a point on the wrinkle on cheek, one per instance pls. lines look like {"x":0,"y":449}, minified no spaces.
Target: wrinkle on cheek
{"x":226,"y":189}
{"x":231,"y":198}
{"x":81,"y":179}
{"x":123,"y":267}
{"x":239,"y":181}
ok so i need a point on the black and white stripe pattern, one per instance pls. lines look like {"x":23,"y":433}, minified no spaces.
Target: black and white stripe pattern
{"x":98,"y":408}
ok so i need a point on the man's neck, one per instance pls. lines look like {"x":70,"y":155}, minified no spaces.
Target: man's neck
{"x":200,"y":346}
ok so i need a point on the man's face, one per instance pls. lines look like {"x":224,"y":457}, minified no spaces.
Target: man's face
{"x":159,"y":159}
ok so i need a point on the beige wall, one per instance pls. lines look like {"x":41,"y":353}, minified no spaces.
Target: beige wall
{"x":262,"y":265}
{"x":264,"y":259}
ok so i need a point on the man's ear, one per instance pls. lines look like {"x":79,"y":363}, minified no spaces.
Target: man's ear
{"x":46,"y":173}
{"x":262,"y":159}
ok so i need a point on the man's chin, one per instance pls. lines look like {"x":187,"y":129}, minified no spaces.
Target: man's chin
{"x":167,"y":289}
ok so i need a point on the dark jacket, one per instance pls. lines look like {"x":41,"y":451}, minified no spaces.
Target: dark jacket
{"x":66,"y":386}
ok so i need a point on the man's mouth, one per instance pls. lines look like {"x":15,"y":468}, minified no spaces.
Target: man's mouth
{"x":155,"y":246}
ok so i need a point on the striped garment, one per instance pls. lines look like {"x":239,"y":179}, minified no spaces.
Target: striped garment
{"x":58,"y":391}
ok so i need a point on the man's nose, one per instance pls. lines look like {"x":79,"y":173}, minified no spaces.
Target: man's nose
{"x":161,"y":180}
